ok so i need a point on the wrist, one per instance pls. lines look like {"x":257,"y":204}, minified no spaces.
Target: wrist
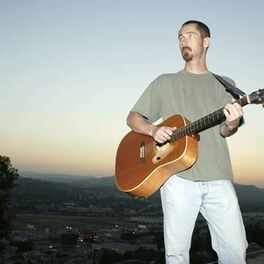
{"x":153,"y":131}
{"x":226,"y":130}
{"x":230,"y":127}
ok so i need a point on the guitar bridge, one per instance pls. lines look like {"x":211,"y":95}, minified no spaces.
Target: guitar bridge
{"x":142,"y":152}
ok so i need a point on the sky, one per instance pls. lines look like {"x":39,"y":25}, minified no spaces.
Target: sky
{"x":72,"y":70}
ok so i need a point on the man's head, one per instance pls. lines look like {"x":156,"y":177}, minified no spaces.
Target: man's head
{"x":200,"y":26}
{"x":194,"y":39}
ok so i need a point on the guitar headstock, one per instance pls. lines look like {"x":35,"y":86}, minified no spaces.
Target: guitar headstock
{"x":257,"y":97}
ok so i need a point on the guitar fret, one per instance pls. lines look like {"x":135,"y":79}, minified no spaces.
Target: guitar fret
{"x":197,"y":124}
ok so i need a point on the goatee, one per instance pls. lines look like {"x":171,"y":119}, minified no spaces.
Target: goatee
{"x":186,"y":53}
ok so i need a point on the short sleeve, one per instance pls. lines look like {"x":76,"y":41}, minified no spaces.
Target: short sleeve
{"x":148,"y":105}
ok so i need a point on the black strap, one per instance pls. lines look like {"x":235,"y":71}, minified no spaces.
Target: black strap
{"x":229,"y":87}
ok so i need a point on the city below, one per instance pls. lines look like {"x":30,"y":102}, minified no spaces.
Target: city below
{"x":63,"y":219}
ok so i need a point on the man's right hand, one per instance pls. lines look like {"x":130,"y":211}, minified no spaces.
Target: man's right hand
{"x":141,"y":125}
{"x":162,"y":134}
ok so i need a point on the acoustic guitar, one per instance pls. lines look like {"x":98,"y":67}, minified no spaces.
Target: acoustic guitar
{"x":143,"y":165}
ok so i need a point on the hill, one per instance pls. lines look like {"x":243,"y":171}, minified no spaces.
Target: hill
{"x":84,"y":181}
{"x":59,"y":190}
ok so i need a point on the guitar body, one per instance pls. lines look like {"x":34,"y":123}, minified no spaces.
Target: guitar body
{"x":142,"y":166}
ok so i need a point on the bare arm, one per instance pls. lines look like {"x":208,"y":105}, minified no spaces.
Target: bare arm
{"x":233,"y":113}
{"x":141,"y":125}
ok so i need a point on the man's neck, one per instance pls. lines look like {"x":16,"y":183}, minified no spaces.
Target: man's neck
{"x":197,"y":67}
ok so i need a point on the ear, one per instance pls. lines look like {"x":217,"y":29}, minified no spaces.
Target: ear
{"x":206,"y":42}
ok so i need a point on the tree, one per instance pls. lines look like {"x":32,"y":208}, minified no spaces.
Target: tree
{"x":8,"y":175}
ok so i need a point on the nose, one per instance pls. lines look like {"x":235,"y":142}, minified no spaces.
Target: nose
{"x":185,"y":41}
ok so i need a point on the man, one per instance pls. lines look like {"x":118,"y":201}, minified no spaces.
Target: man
{"x":206,"y":187}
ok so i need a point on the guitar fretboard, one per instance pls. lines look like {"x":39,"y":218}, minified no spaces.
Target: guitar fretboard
{"x":204,"y":123}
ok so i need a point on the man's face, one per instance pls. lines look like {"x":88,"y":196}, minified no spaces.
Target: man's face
{"x":191,"y":43}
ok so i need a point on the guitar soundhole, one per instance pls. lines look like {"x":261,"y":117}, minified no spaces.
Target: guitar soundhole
{"x":158,"y":158}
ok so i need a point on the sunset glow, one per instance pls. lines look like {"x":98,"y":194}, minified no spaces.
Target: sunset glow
{"x":71,"y":71}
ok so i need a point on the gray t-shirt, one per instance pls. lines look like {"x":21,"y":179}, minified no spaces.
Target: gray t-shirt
{"x":193,"y":96}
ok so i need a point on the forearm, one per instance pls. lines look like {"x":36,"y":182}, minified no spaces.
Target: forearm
{"x":140,"y":124}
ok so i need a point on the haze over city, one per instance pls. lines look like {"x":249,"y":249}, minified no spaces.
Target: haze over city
{"x":72,"y":70}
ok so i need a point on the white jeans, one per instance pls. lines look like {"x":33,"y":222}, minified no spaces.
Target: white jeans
{"x":182,"y":200}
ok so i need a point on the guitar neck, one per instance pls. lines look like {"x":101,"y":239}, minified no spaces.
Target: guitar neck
{"x":206,"y":122}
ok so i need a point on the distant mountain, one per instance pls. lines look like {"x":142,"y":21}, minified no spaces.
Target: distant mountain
{"x":82,"y":181}
{"x":90,"y":195}
{"x":247,"y":194}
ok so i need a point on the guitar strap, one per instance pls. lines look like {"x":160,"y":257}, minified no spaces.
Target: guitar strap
{"x":236,"y":93}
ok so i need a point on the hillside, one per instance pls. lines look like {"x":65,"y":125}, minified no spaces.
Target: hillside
{"x":52,"y":191}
